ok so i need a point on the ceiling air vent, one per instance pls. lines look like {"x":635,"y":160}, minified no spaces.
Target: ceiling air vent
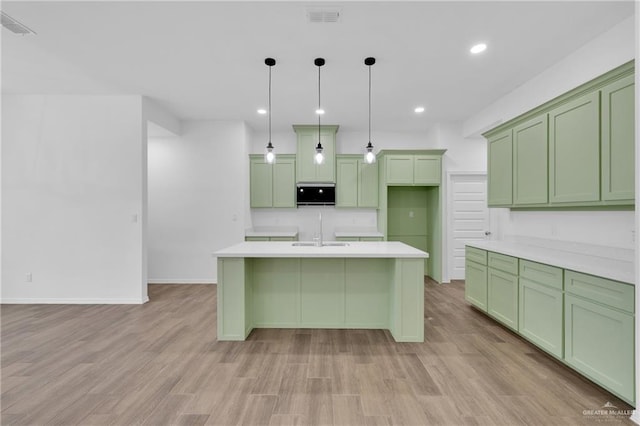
{"x":323,"y":16}
{"x":14,"y":26}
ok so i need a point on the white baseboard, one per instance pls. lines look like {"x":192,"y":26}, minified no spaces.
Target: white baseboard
{"x":635,"y":417}
{"x":71,"y":301}
{"x":180,"y":281}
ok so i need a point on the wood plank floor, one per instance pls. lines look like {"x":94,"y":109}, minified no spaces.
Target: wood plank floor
{"x":160,"y":364}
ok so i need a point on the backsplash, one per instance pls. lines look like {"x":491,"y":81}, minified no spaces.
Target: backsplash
{"x":306,"y":220}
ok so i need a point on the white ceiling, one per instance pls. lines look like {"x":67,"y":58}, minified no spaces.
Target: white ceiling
{"x":205,"y":60}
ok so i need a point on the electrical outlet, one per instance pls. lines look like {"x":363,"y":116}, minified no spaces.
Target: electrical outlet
{"x":28,"y":277}
{"x":411,"y":214}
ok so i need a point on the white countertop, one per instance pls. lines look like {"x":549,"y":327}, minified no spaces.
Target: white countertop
{"x":606,"y":267}
{"x":358,"y":232}
{"x":268,"y":231}
{"x":356,"y":249}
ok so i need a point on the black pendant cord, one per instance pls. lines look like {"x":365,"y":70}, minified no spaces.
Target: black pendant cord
{"x":319,"y":107}
{"x":369,"y":104}
{"x":270,"y":106}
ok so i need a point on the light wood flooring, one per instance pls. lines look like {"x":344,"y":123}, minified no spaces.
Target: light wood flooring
{"x":160,"y":364}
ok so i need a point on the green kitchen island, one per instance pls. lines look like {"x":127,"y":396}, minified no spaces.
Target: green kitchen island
{"x":369,"y":285}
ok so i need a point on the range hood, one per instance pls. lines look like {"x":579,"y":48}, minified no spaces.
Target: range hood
{"x":316,"y":194}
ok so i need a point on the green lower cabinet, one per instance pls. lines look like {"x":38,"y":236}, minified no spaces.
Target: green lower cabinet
{"x":599,"y":343}
{"x":540,"y":314}
{"x":359,"y":239}
{"x":270,"y":239}
{"x":502,"y":297}
{"x":475,"y":284}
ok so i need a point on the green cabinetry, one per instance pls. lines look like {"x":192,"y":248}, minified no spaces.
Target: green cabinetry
{"x":357,"y":182}
{"x":530,"y":161}
{"x":475,"y":283}
{"x":413,"y":169}
{"x":307,"y":139}
{"x":500,"y":167}
{"x":270,"y":238}
{"x":599,"y":332}
{"x":272,"y":185}
{"x":586,"y":322}
{"x":541,"y":306}
{"x":502,"y":289}
{"x":576,"y":150}
{"x":618,"y":150}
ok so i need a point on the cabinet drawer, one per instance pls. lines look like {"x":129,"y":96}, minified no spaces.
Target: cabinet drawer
{"x":504,"y":263}
{"x":612,"y":293}
{"x":282,"y":239}
{"x":475,"y":255}
{"x":542,"y":274}
{"x":256,"y":238}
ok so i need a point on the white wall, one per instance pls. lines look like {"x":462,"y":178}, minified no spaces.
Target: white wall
{"x":72,"y":199}
{"x":197,"y":199}
{"x":600,"y":55}
{"x":609,"y":50}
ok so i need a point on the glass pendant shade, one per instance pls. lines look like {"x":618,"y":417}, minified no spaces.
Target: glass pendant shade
{"x":269,"y":155}
{"x":318,"y":158}
{"x":369,"y":156}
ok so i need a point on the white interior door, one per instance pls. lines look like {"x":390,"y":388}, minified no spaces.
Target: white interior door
{"x":468,"y":217}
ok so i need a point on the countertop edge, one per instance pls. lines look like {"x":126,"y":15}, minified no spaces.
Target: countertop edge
{"x":613,"y":269}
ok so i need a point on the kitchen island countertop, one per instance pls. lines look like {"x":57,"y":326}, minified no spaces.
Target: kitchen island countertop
{"x":352,"y":249}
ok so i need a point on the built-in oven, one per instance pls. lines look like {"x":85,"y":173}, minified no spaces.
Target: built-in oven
{"x":316,"y":194}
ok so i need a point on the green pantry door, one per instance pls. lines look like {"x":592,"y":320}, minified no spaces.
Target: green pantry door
{"x":412,"y":218}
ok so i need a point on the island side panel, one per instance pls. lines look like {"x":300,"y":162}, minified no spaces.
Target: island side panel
{"x":368,"y":293}
{"x":322,"y":288}
{"x":408,"y":301}
{"x":232,"y":299}
{"x":276,"y":292}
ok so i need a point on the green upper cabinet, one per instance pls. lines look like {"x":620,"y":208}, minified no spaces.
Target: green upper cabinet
{"x":272,"y":185}
{"x":357,"y":183}
{"x":399,"y":169}
{"x":413,"y":169}
{"x":618,"y":153}
{"x":347,"y":182}
{"x":307,"y":136}
{"x":530,"y":161}
{"x":426,"y":170}
{"x":574,"y":150}
{"x":500,"y":169}
{"x":284,"y":182}
{"x":367,"y":184}
{"x":261,"y":182}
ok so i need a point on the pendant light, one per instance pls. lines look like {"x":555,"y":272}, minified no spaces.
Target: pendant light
{"x":269,"y":155}
{"x":369,"y":156}
{"x":318,"y":158}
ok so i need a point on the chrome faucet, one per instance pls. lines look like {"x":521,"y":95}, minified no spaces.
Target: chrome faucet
{"x":319,"y":239}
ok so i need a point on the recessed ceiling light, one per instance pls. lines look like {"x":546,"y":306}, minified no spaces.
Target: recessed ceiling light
{"x":419,"y":109}
{"x":478,"y":48}
{"x":262,"y":111}
{"x":319,"y":111}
